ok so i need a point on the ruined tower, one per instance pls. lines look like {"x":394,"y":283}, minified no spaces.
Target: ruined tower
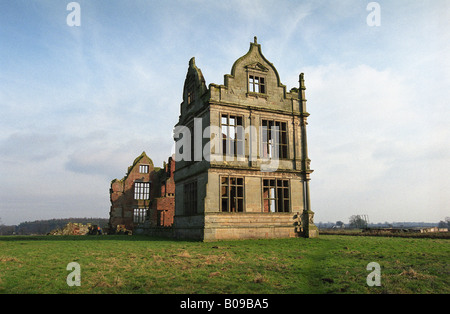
{"x":242,"y":165}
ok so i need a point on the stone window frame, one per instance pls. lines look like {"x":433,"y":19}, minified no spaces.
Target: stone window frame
{"x":190,"y":197}
{"x":139,"y":215}
{"x":260,"y":74}
{"x":276,"y":199}
{"x":238,"y":142}
{"x":190,"y":90}
{"x":282,"y":154}
{"x":226,"y":184}
{"x":190,"y":97}
{"x":257,"y":83}
{"x":142,"y":190}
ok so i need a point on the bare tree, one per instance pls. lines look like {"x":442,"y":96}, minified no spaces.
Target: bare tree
{"x":357,"y":221}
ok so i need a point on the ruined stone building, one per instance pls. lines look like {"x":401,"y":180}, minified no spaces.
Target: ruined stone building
{"x":242,"y":167}
{"x":145,"y":194}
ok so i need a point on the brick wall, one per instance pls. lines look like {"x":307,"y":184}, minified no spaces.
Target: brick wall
{"x":162,"y":194}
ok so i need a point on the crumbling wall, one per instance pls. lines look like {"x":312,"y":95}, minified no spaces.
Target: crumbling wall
{"x":159,"y":207}
{"x":71,"y":229}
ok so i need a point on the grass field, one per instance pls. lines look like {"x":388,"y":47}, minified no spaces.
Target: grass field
{"x":139,"y":264}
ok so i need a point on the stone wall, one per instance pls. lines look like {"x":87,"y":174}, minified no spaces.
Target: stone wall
{"x":219,"y":226}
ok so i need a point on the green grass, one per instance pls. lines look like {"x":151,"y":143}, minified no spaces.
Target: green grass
{"x":139,"y":264}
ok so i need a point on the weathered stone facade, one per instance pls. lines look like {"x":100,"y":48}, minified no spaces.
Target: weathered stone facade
{"x":242,"y":168}
{"x":144,"y":195}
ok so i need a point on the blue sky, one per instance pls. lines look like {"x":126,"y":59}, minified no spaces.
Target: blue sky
{"x":78,"y":104}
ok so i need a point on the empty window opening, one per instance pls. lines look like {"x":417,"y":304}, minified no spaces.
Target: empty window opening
{"x":274,"y":141}
{"x":139,"y":215}
{"x":190,"y":97}
{"x":143,"y":168}
{"x":142,"y":190}
{"x":256,"y":84}
{"x":232,"y":194}
{"x":190,"y":198}
{"x":276,"y":196}
{"x":232,"y":135}
{"x":190,"y":89}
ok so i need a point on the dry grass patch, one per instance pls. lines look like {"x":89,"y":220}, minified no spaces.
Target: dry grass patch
{"x":412,"y":274}
{"x":9,"y":259}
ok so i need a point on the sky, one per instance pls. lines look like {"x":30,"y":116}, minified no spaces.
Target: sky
{"x":79,"y":103}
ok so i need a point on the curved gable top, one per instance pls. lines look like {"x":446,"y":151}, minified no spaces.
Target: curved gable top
{"x":254,"y":81}
{"x":137,"y":161}
{"x":255,"y":60}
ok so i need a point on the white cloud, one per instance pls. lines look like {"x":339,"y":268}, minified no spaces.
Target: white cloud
{"x":369,"y":146}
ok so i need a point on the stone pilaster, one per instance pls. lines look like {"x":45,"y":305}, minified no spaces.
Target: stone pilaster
{"x":309,"y":229}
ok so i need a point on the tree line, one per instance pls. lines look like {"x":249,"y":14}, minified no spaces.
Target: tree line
{"x":362,"y":222}
{"x":42,"y":227}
